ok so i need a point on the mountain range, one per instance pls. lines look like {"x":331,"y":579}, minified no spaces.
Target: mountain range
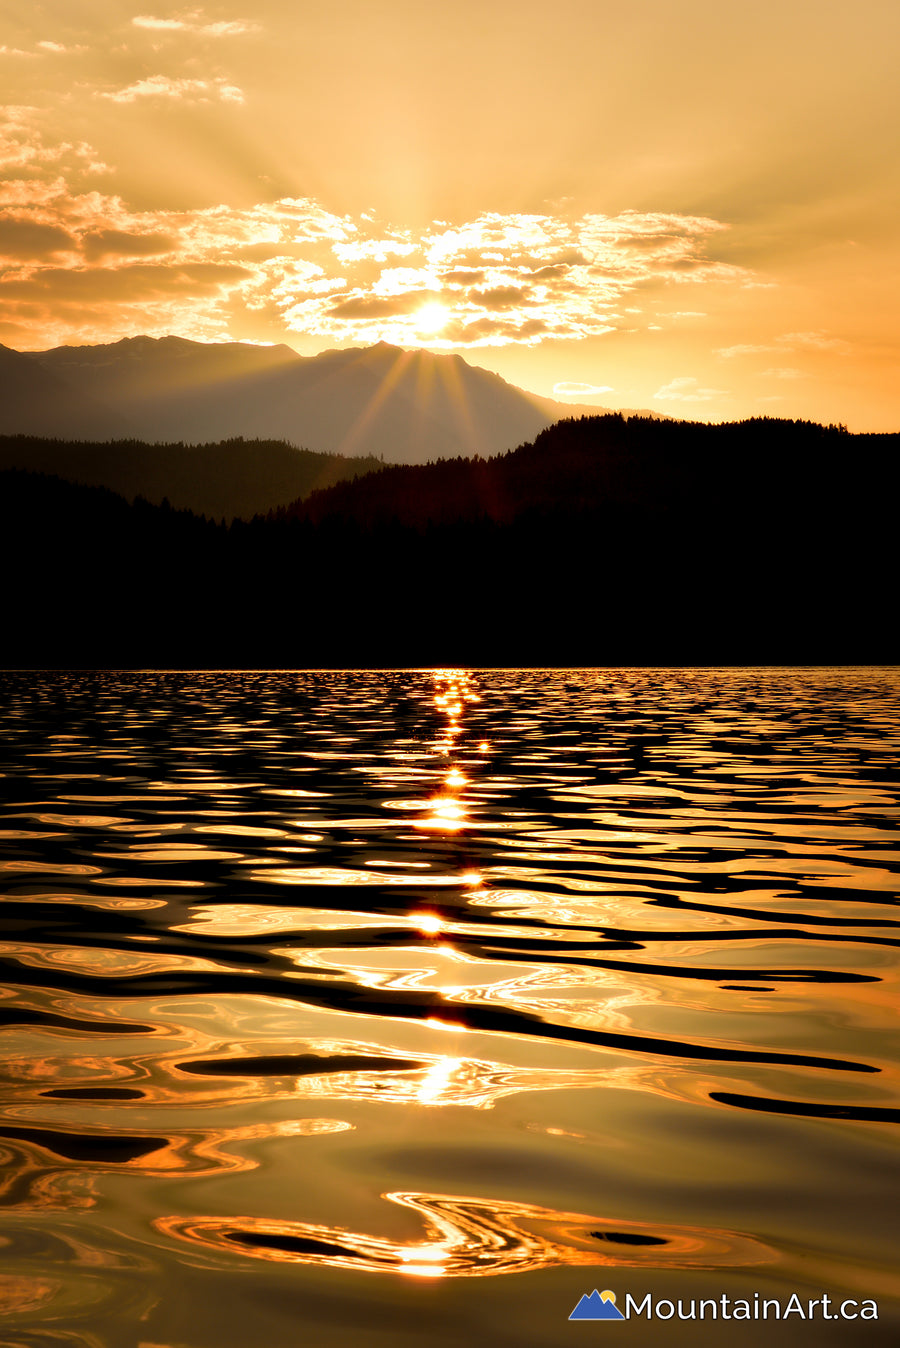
{"x":373,"y":402}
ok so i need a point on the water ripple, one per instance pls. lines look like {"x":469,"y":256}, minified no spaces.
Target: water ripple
{"x":298,"y":946}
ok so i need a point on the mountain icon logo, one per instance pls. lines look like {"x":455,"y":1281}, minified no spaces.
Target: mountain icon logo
{"x":597,"y":1306}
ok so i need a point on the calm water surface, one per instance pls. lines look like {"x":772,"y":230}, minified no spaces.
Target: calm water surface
{"x":400,"y":1008}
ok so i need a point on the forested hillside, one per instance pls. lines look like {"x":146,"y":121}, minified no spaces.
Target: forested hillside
{"x":603,"y":542}
{"x":235,"y":478}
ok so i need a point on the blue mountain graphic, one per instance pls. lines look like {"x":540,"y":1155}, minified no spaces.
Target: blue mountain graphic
{"x":594,"y":1307}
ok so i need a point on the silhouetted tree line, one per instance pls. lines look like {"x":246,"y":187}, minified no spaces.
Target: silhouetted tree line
{"x":661,"y":466}
{"x":235,"y":477}
{"x":606,"y":541}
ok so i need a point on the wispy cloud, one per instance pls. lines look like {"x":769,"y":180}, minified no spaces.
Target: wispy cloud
{"x":54,"y":48}
{"x":744,"y":349}
{"x":194,"y":22}
{"x":811,"y":341}
{"x":182,"y":90}
{"x":788,"y":341}
{"x":686,"y":389}
{"x":571,"y":388}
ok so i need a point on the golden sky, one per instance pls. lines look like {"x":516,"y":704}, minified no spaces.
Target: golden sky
{"x":689,"y":206}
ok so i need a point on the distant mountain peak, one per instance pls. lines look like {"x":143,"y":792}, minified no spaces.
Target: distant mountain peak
{"x":381,"y":401}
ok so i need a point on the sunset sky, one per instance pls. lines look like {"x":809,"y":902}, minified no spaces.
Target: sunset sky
{"x":683,"y":206}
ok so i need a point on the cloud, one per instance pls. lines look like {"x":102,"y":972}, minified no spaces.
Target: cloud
{"x":686,"y":389}
{"x":502,"y":297}
{"x":461,"y":277}
{"x":118,"y":242}
{"x":23,"y":150}
{"x":514,"y":278}
{"x":291,"y":266}
{"x":743,"y":349}
{"x":788,"y":341}
{"x":373,"y":306}
{"x":131,"y":283}
{"x":811,"y":341}
{"x":571,"y":388}
{"x":194,"y":23}
{"x":399,"y":280}
{"x":783,"y":372}
{"x":157,"y":272}
{"x":55,"y":48}
{"x":377,"y":249}
{"x":27,"y":238}
{"x":164,"y":86}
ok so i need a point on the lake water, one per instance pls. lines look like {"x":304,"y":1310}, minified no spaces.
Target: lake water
{"x":408,"y":1007}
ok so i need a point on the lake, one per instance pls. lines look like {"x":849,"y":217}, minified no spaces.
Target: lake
{"x":407,"y":1007}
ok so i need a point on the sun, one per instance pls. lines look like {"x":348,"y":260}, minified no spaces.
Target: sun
{"x":432,"y":317}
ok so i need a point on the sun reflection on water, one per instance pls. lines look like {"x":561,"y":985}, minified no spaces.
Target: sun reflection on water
{"x":447,"y":811}
{"x":437,"y":1079}
{"x":621,"y":924}
{"x":473,"y":1237}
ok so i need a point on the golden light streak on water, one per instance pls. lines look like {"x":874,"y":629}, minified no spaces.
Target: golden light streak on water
{"x":651,"y":975}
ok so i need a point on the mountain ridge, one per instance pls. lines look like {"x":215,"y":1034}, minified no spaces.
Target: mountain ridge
{"x":381,"y":401}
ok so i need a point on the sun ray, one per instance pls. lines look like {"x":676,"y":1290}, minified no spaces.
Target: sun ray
{"x":389,"y":382}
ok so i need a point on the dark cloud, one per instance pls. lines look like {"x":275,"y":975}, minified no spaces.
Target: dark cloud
{"x":484,"y":327}
{"x":551,"y":273}
{"x":532,"y":327}
{"x":26,"y":239}
{"x":106,"y":242}
{"x":648,"y":242}
{"x":378,"y":306}
{"x":140,"y":282}
{"x":501,"y":297}
{"x":462,"y":277}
